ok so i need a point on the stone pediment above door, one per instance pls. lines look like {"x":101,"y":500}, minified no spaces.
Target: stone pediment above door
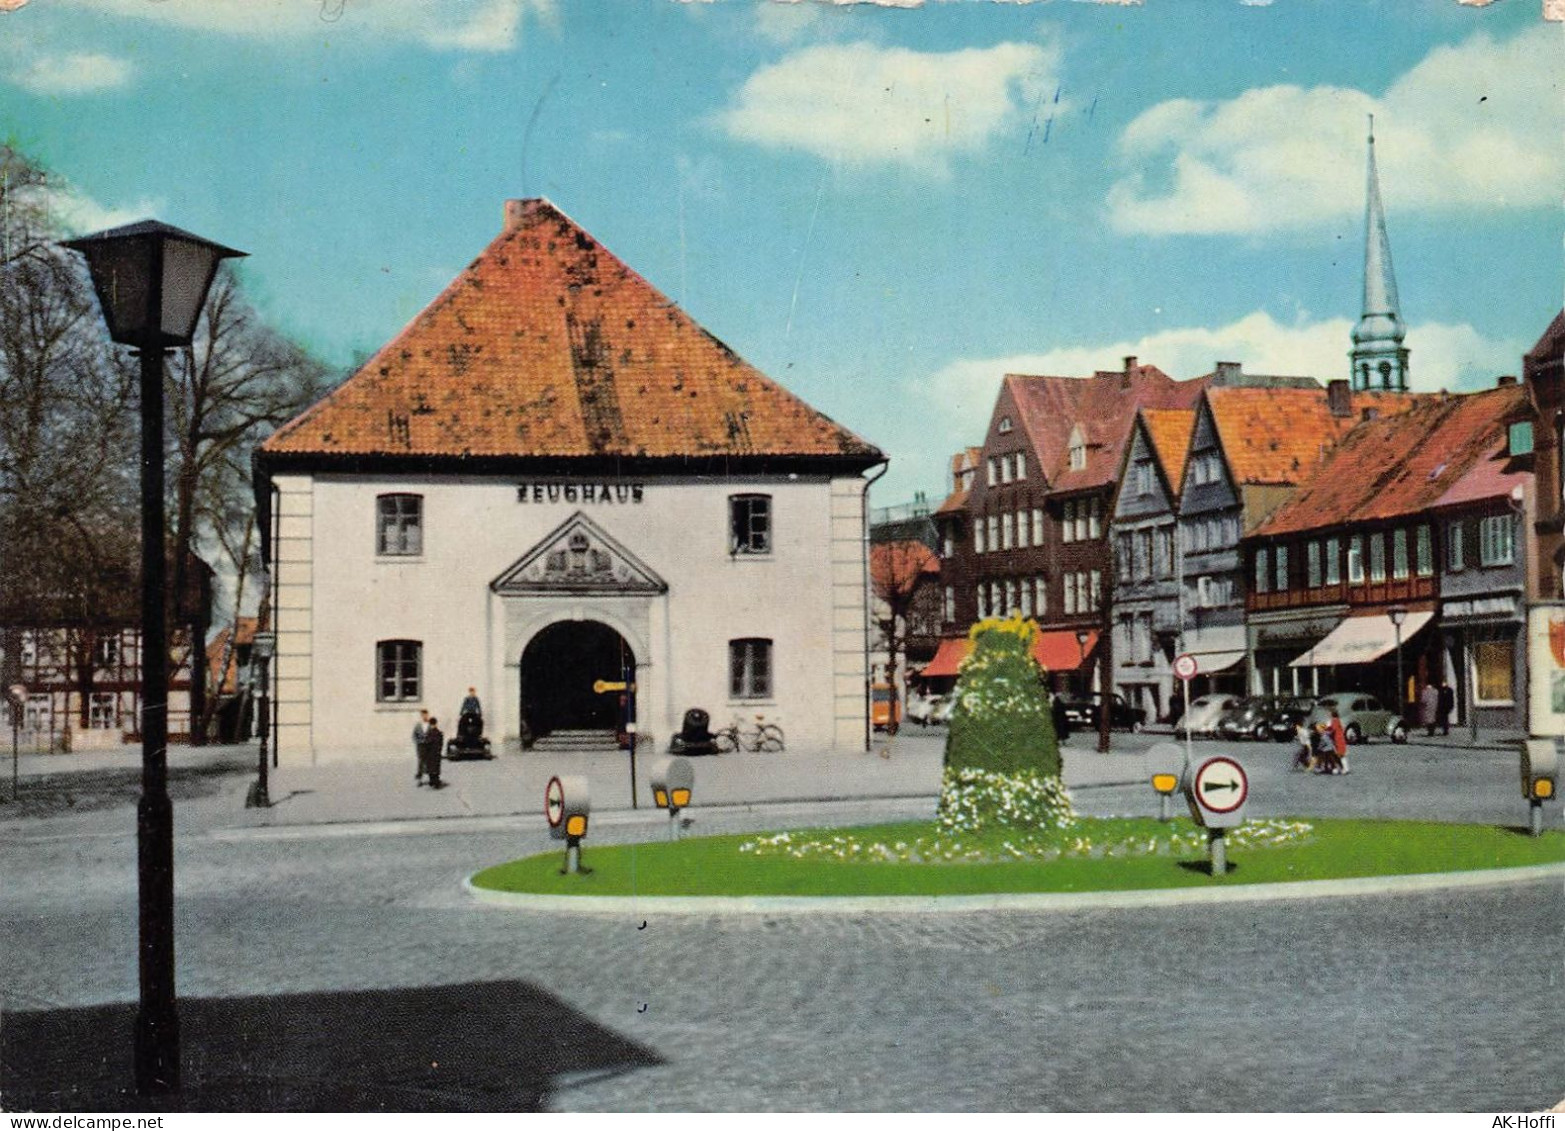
{"x":578,"y":557}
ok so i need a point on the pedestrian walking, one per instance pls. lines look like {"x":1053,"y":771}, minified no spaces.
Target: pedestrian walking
{"x":419,"y":730}
{"x":1447,"y":704}
{"x":1339,"y":744}
{"x":1428,"y":708}
{"x":434,"y":741}
{"x":1304,"y":746}
{"x":1062,"y":726}
{"x":1325,"y":760}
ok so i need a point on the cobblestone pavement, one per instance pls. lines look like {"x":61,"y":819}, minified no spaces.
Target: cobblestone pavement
{"x":1415,"y":1002}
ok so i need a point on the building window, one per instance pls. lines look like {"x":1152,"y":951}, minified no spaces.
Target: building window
{"x":1356,"y":560}
{"x":1312,"y":565}
{"x":1021,"y":465}
{"x":1026,"y":590}
{"x":399,"y":527}
{"x":1333,"y":562}
{"x":400,"y":661}
{"x":1123,"y":553}
{"x":992,"y":535}
{"x":106,"y":652}
{"x":1037,"y":526}
{"x":1040,"y":595}
{"x":950,"y":604}
{"x":948,"y":543}
{"x":1282,"y":569}
{"x":750,"y":669}
{"x":1005,"y":469}
{"x":1426,"y":552}
{"x":1519,"y":438}
{"x":1007,"y":530}
{"x":1144,"y":553}
{"x":1095,"y":590}
{"x":1377,"y":558}
{"x":1143,"y":478}
{"x":100,"y":711}
{"x":1165,"y":551}
{"x":1496,"y":546}
{"x":1094,"y":518}
{"x":1012,"y":602}
{"x":1263,"y":573}
{"x":1399,"y":562}
{"x":978,"y":535}
{"x":1078,"y":452}
{"x":1493,"y":662}
{"x":991,"y":472}
{"x":750,"y":524}
{"x":1453,"y":547}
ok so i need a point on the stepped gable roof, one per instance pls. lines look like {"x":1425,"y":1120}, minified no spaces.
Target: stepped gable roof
{"x":1401,"y":463}
{"x":549,"y":346}
{"x":1169,"y":430}
{"x":1278,"y":436}
{"x":1103,"y":405}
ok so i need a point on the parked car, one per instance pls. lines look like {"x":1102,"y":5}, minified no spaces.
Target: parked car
{"x":940,"y":713}
{"x":1288,"y":714}
{"x":1248,"y":719}
{"x":921,"y":707}
{"x":884,"y":710}
{"x":1363,"y":718}
{"x":1082,"y":713}
{"x":1202,"y":714}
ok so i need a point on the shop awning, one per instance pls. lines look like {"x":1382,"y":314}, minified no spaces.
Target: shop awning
{"x":948,"y":657}
{"x":1360,"y":639}
{"x":1061,"y":651}
{"x":1055,"y":652}
{"x":1216,"y":649}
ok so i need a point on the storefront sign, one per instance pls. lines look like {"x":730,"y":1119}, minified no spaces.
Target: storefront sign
{"x":1480,"y":607}
{"x":620,"y":493}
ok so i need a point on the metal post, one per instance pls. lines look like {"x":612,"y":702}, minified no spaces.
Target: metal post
{"x":1163,"y":806}
{"x":1536,"y":818}
{"x":1218,"y":845}
{"x":673,"y":824}
{"x":157,"y":1059}
{"x":260,"y":794}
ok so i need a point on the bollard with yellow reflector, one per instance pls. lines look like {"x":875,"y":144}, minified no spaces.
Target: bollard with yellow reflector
{"x":673,"y":785}
{"x":1165,"y":763}
{"x":1540,"y":776}
{"x":566,"y":804}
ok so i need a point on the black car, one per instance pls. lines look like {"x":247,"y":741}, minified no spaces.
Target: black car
{"x":1248,"y":719}
{"x":1082,"y":714}
{"x":1287,"y":715}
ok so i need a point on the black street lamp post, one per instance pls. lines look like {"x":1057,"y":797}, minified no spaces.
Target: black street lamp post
{"x":1398,"y":614}
{"x":152,"y":280}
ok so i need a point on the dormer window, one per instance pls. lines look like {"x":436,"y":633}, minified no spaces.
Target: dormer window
{"x":1078,"y":450}
{"x":1519,"y":437}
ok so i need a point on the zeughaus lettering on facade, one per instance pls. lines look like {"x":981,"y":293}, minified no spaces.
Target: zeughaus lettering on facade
{"x":612,"y":493}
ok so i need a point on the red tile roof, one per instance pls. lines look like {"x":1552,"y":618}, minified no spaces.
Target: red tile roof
{"x":1401,"y":463}
{"x":225,"y":682}
{"x":549,"y":346}
{"x":1169,"y":430}
{"x":895,"y":567}
{"x":1279,"y":436}
{"x":1104,"y":406}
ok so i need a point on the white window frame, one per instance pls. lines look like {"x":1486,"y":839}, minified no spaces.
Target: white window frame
{"x":1333,"y":561}
{"x":399,"y":671}
{"x":1424,"y":552}
{"x":1496,"y":541}
{"x":1356,"y":559}
{"x":1263,"y":574}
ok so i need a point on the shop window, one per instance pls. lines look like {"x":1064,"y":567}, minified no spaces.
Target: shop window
{"x":1493,"y":663}
{"x":750,"y":669}
{"x":750,"y":524}
{"x":1496,"y":540}
{"x":399,"y":525}
{"x":400,"y":662}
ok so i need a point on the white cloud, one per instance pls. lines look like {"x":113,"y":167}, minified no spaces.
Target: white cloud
{"x":76,"y":73}
{"x":1474,"y":125}
{"x":79,"y":214}
{"x":456,"y":25}
{"x":860,"y":105}
{"x":1443,"y":356}
{"x":783,"y":21}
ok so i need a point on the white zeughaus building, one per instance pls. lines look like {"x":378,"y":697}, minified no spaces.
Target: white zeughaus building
{"x":552,"y":478}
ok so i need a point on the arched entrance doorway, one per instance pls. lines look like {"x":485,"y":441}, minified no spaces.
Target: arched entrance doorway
{"x":559,"y":667}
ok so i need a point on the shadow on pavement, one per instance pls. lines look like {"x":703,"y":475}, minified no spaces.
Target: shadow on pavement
{"x":492,"y":1046}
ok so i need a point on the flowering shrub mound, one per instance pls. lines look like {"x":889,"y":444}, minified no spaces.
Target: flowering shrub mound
{"x":976,"y":801}
{"x":1000,"y":721}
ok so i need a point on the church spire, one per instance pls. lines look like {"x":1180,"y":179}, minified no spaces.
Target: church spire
{"x":1379,"y":359}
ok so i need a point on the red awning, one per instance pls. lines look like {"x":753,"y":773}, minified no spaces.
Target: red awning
{"x":1061,"y":651}
{"x":948,"y":657}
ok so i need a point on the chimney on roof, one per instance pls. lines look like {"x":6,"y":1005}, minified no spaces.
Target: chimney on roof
{"x":1130,"y":371}
{"x":1339,"y":398}
{"x":515,"y":213}
{"x":1230,"y":373}
{"x":1507,"y":379}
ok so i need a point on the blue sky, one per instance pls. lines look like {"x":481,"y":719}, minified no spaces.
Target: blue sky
{"x":884,"y":208}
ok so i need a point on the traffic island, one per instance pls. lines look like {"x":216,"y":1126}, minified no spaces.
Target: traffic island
{"x":1110,"y":855}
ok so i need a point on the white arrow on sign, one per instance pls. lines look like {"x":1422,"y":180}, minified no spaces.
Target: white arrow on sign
{"x":554,"y":802}
{"x":1221,"y":785}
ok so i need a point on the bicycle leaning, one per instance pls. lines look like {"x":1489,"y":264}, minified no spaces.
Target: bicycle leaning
{"x":763,"y":737}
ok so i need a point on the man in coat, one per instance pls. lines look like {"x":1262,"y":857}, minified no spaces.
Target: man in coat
{"x":420,"y":728}
{"x":1446,"y":706}
{"x":434,"y":743}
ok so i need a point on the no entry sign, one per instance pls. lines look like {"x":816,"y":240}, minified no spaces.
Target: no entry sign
{"x":1185,"y":666}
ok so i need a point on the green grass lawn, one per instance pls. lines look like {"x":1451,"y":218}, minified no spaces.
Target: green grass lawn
{"x":1335,"y":849}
